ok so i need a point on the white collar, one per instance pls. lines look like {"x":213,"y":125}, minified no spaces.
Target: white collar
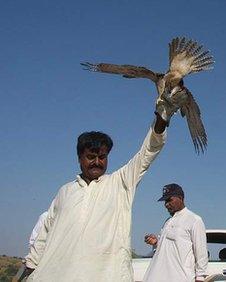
{"x":83,"y":183}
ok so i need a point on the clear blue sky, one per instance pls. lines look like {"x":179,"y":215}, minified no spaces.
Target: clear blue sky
{"x":47,"y":100}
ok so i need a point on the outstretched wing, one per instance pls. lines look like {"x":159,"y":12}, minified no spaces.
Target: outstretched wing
{"x":193,"y":115}
{"x":187,"y":56}
{"x":127,"y":71}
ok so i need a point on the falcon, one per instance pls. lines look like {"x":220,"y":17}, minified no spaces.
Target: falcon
{"x":186,"y":56}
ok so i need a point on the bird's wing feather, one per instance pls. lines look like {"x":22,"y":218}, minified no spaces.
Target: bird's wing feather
{"x":193,"y":115}
{"x":187,"y":56}
{"x":127,"y":71}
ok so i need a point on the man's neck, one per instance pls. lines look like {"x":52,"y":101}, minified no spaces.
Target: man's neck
{"x":85,"y":179}
{"x":182,"y":207}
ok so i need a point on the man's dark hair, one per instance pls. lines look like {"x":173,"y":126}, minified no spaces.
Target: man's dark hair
{"x":93,"y":140}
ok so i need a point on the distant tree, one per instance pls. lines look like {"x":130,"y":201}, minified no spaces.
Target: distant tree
{"x":4,"y":278}
{"x":8,"y":267}
{"x":11,"y":270}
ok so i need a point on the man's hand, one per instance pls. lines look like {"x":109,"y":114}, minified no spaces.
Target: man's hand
{"x":22,"y":273}
{"x":150,"y":239}
{"x":28,"y":271}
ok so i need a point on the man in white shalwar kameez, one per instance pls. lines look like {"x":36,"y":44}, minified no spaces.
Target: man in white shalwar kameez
{"x":181,"y":249}
{"x":86,"y":235}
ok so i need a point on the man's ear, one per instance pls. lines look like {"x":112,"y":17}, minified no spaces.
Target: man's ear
{"x":181,"y":198}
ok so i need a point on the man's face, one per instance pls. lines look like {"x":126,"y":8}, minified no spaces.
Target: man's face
{"x":174,"y":204}
{"x":93,"y":163}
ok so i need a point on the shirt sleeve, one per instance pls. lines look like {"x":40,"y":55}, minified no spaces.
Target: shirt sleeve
{"x":38,"y":247}
{"x":200,"y":249}
{"x":37,"y":228}
{"x":133,"y":171}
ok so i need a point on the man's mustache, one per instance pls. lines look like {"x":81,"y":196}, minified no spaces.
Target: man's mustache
{"x":96,"y":166}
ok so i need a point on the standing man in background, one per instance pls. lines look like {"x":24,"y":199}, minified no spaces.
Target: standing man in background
{"x":181,"y":249}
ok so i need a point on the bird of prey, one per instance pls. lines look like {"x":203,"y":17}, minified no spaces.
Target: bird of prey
{"x":186,"y":56}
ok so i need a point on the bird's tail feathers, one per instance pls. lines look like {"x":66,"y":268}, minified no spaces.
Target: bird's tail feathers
{"x":189,"y":56}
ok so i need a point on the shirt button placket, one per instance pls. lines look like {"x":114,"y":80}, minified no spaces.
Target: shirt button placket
{"x":85,"y":204}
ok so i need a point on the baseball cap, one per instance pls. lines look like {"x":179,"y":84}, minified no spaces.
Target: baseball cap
{"x":170,"y":190}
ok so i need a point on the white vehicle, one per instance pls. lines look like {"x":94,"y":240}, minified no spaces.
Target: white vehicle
{"x":216,"y":239}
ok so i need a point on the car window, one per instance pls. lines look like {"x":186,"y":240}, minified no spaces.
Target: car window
{"x":214,"y":251}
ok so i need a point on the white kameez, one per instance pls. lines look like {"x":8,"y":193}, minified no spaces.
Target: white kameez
{"x":86,"y":236}
{"x":181,"y":254}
